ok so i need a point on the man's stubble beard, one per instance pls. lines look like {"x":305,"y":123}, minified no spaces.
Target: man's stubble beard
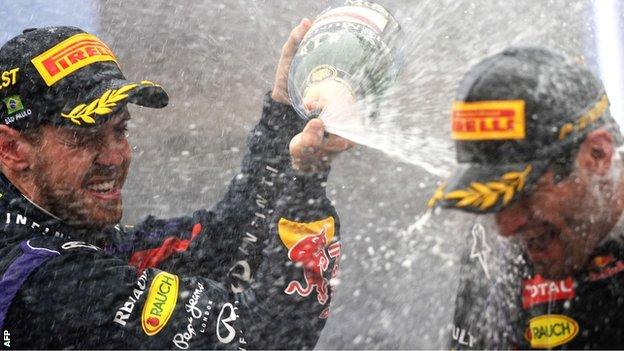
{"x":592,"y":222}
{"x":71,"y":208}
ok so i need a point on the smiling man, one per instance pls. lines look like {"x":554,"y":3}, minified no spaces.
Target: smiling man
{"x":83,"y":187}
{"x":252,"y":272}
{"x":538,"y":149}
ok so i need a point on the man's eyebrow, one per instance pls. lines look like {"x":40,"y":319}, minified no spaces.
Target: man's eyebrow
{"x":123,"y":121}
{"x":125,"y":117}
{"x":518,"y":228}
{"x":79,"y":132}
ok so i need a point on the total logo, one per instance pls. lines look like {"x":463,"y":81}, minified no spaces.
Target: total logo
{"x":160,"y":303}
{"x":539,"y":290}
{"x":551,"y":330}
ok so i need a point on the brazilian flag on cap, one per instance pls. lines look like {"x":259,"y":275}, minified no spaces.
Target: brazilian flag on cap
{"x":13,"y":104}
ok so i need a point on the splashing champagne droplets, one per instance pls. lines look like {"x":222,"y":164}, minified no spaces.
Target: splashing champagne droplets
{"x":344,"y":73}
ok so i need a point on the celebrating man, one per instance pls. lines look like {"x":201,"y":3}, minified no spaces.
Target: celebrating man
{"x":253,"y":271}
{"x":539,"y":150}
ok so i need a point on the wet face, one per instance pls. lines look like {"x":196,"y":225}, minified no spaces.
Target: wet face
{"x":80,"y":172}
{"x":558,"y":224}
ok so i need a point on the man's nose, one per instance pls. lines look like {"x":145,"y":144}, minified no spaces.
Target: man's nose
{"x":539,"y":243}
{"x":112,"y":152}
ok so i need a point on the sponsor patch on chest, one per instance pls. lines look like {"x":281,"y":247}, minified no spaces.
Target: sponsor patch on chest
{"x":551,"y":330}
{"x":538,"y":290}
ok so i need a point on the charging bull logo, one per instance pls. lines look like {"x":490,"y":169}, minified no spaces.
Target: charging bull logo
{"x":310,"y":245}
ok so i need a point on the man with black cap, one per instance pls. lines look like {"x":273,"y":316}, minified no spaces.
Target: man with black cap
{"x":538,"y":149}
{"x":252,"y":272}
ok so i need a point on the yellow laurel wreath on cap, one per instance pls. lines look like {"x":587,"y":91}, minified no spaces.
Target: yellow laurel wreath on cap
{"x":437,"y":196}
{"x":147,"y":82}
{"x":100,"y":106}
{"x":486,"y":195}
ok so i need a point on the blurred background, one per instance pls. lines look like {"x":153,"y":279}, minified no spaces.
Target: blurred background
{"x":217,"y":59}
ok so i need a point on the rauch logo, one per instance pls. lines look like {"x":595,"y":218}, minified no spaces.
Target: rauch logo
{"x":551,"y":330}
{"x":160,"y":302}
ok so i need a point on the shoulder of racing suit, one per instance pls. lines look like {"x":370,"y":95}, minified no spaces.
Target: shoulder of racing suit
{"x":76,"y":294}
{"x":516,"y":309}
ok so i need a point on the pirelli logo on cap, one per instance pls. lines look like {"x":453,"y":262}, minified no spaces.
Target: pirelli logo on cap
{"x":488,"y":120}
{"x":70,"y":55}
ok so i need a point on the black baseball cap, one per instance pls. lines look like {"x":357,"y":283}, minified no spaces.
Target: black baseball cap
{"x":515,"y":114}
{"x":67,"y":77}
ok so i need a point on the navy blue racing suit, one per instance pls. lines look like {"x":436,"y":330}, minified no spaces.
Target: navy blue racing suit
{"x":252,"y":272}
{"x":503,"y":304}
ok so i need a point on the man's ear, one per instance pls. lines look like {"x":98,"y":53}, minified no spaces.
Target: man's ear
{"x":596,"y":152}
{"x":15,"y":150}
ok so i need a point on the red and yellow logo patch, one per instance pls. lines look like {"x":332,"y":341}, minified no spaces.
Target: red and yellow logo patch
{"x":488,"y":120}
{"x":291,"y":232}
{"x":603,"y":267}
{"x":310,"y":246}
{"x":160,"y":303}
{"x":70,"y":55}
{"x":539,"y":290}
{"x":551,"y":330}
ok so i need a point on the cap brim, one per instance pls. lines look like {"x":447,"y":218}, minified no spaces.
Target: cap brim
{"x":149,"y":95}
{"x":145,"y":93}
{"x":98,"y":104}
{"x":485,"y":188}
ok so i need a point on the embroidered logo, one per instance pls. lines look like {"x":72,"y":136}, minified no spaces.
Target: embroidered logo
{"x":485,"y":195}
{"x":488,"y":120}
{"x":160,"y":303}
{"x":551,"y":330}
{"x":13,"y":104}
{"x":70,"y":55}
{"x":539,"y":290}
{"x":314,"y":252}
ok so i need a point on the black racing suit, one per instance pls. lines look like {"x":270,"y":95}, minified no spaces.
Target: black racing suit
{"x":510,"y":307}
{"x":253,"y":272}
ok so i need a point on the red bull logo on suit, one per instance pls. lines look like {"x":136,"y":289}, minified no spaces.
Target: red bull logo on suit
{"x":310,"y":245}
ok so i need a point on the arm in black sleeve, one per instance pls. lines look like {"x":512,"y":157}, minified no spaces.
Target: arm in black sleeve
{"x":265,"y":163}
{"x":297,"y":291}
{"x":287,"y":247}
